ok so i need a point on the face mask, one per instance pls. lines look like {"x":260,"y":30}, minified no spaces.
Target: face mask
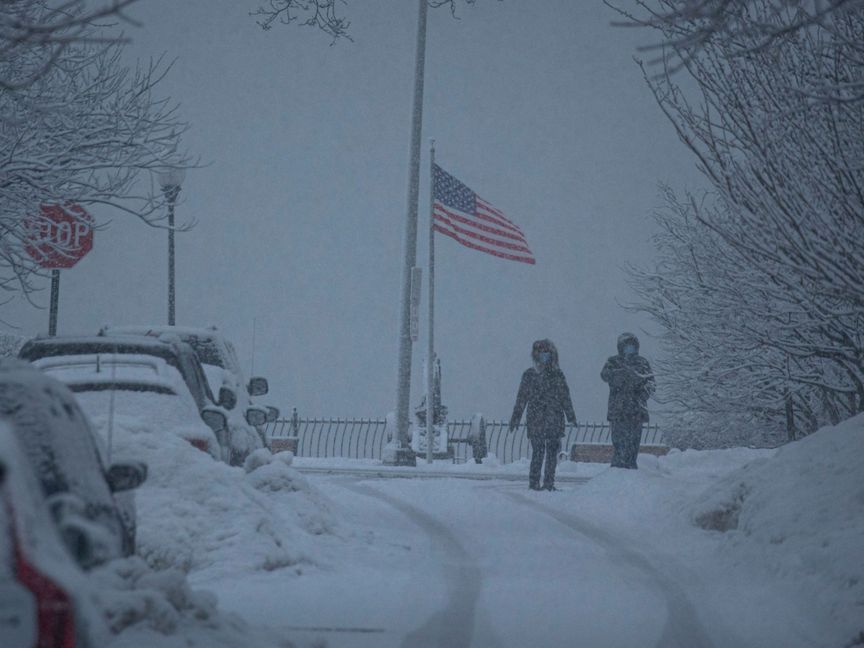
{"x":544,"y":357}
{"x":630,"y":349}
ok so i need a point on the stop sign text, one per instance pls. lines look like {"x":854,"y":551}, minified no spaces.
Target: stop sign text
{"x":59,"y":236}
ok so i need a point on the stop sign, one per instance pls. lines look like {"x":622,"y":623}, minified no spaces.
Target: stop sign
{"x":60,"y":236}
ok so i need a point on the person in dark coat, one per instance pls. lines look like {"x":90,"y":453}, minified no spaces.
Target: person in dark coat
{"x":545,"y":393}
{"x":631,"y":384}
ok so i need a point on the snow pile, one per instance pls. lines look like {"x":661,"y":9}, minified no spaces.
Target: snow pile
{"x":801,"y":515}
{"x":159,"y":609}
{"x":781,"y":573}
{"x":195,"y":513}
{"x":200,"y":516}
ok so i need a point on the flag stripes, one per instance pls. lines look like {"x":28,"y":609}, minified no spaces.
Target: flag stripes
{"x":447,"y":215}
{"x":468,"y":219}
{"x":446,"y":223}
{"x":487,"y":211}
{"x":502,"y":255}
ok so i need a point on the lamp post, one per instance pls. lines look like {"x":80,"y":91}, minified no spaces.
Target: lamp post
{"x":170,"y":181}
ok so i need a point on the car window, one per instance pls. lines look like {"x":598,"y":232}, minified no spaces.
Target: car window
{"x":185,"y":363}
{"x":207,"y":350}
{"x":56,"y":438}
{"x":121,"y":386}
{"x":233,"y":361}
{"x":195,"y":378}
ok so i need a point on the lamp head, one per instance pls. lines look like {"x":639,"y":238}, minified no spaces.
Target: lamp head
{"x":171,"y":177}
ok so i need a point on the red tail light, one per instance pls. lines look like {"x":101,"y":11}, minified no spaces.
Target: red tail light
{"x":202,"y":444}
{"x":56,"y":615}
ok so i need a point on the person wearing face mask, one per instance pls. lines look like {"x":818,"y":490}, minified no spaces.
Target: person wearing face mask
{"x":544,"y":392}
{"x":631,"y":384}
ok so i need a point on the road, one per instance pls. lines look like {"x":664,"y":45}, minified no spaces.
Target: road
{"x":458,"y":562}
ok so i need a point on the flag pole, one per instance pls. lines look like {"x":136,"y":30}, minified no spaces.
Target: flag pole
{"x":403,"y":386}
{"x":430,"y":362}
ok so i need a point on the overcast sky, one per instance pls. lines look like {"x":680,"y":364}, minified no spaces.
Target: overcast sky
{"x":301,"y":204}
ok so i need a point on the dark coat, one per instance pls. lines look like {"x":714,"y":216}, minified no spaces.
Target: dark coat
{"x":547,"y":397}
{"x":631,"y":384}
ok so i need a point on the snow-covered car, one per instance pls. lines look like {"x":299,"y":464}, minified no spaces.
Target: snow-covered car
{"x":247,"y":420}
{"x":141,"y":388}
{"x":62,"y":450}
{"x":176,"y":356}
{"x":41,"y":602}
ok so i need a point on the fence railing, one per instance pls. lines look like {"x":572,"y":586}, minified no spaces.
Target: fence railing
{"x":365,"y":438}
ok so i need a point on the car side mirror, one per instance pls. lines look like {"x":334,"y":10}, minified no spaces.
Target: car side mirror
{"x":256,"y":416}
{"x":272,"y":413}
{"x":227,"y":398}
{"x":258,"y":386}
{"x":214,"y":419}
{"x":126,"y":476}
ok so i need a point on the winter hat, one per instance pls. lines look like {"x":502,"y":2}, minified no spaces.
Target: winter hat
{"x":627,"y":338}
{"x":547,"y":346}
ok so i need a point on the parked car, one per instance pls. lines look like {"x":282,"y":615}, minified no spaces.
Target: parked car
{"x":41,"y":587}
{"x":223,"y":371}
{"x":62,"y":450}
{"x":155,"y":379}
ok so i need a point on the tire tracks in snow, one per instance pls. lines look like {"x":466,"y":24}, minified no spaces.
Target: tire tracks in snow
{"x":453,"y":626}
{"x":682,"y":628}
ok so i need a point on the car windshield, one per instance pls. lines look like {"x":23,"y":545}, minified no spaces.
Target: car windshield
{"x":207,"y":349}
{"x":142,"y":410}
{"x":177,"y":355}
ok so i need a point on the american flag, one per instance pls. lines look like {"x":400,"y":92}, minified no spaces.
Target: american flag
{"x":465,"y":217}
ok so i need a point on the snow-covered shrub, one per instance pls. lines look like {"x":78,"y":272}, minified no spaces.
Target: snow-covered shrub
{"x":278,"y":476}
{"x":10,"y":344}
{"x":256,"y":459}
{"x":144,"y":607}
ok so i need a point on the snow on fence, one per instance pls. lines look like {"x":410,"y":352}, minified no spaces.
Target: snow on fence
{"x":364,"y":438}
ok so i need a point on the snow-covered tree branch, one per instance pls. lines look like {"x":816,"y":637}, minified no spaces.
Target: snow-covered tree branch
{"x":686,"y":27}
{"x":41,"y":30}
{"x":80,"y":130}
{"x":324,"y":15}
{"x":759,"y":288}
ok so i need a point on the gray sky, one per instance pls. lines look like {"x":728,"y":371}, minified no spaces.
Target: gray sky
{"x":301,"y":206}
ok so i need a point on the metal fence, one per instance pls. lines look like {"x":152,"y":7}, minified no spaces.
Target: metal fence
{"x":351,"y":438}
{"x":365,"y":438}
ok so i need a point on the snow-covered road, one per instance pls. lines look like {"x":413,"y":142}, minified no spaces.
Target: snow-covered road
{"x":693,"y":549}
{"x":455,"y":562}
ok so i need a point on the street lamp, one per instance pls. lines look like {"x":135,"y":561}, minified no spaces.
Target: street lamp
{"x":170,"y":181}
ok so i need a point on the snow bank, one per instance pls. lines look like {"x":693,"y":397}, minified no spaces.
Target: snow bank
{"x":800,"y":513}
{"x":159,"y":609}
{"x":197,"y":516}
{"x":780,"y":575}
{"x":195,"y":513}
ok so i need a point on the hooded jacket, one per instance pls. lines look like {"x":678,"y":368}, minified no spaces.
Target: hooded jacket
{"x":546,"y":395}
{"x":631,"y":383}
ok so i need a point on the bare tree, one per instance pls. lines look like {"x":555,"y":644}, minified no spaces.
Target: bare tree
{"x":321,"y":14}
{"x":760,"y":288}
{"x":744,"y":27}
{"x":79,"y":130}
{"x":47,"y":28}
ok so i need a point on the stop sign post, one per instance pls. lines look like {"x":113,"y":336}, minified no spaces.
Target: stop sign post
{"x":59,"y":237}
